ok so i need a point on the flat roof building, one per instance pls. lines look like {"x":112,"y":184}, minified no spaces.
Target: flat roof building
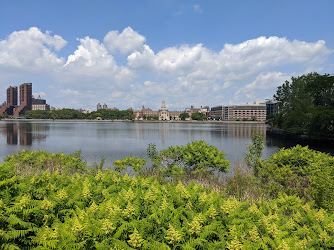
{"x":12,"y":96}
{"x":256,"y":112}
{"x":25,"y":99}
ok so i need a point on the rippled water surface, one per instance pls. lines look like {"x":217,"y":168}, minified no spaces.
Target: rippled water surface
{"x":115,"y":140}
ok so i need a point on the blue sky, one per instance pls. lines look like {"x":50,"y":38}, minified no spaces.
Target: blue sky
{"x":134,"y":53}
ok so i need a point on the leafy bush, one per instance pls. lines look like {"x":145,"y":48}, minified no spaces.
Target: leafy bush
{"x":195,"y":159}
{"x":135,"y":163}
{"x":302,"y":171}
{"x":31,"y":162}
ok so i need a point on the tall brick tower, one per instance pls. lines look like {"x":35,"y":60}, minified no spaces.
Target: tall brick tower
{"x":12,"y":96}
{"x":11,"y":103}
{"x":25,"y":99}
{"x":26,"y":94}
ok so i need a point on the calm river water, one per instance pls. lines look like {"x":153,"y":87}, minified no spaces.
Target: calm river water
{"x":115,"y":140}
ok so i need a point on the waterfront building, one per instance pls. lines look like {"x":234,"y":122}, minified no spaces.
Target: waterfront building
{"x":163,"y":114}
{"x":98,"y":106}
{"x":144,"y":112}
{"x":272,"y":107}
{"x":217,"y":112}
{"x":9,"y":106}
{"x":204,"y":110}
{"x":12,"y":96}
{"x":191,"y":110}
{"x":255,"y":111}
{"x":25,"y":99}
{"x":175,"y":115}
{"x":39,"y":104}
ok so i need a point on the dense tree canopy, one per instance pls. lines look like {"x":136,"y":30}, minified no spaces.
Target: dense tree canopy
{"x":306,"y":104}
{"x":184,"y":115}
{"x":198,"y":116}
{"x":105,"y":114}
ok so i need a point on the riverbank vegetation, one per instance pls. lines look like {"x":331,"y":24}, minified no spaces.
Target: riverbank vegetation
{"x":306,"y":106}
{"x":105,"y":114}
{"x":198,"y":116}
{"x":56,"y":201}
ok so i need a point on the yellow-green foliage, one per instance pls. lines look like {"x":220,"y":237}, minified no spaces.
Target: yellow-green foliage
{"x":196,"y":158}
{"x":106,"y":210}
{"x":301,"y":171}
{"x":135,"y":163}
{"x":27,"y":162}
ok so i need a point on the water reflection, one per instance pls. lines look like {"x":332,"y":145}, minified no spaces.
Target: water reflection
{"x":116,"y":140}
{"x":237,"y":131}
{"x":12,"y":133}
{"x":25,"y":133}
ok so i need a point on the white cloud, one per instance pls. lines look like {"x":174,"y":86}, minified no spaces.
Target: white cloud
{"x":91,"y":57}
{"x":262,"y":87}
{"x":148,"y":83}
{"x":238,"y":62}
{"x":125,"y":42}
{"x":67,"y":92}
{"x":31,"y":50}
{"x":197,"y":9}
{"x":182,"y":75}
{"x":40,"y":94}
{"x":92,"y":63}
{"x":143,"y":60}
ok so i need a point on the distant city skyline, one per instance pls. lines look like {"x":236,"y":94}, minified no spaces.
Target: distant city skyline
{"x":129,"y":53}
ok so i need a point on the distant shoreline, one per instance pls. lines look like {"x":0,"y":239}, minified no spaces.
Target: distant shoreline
{"x":135,"y":121}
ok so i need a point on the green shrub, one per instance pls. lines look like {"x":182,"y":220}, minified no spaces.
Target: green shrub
{"x":302,"y":171}
{"x":31,"y":162}
{"x":195,"y":159}
{"x":135,"y":163}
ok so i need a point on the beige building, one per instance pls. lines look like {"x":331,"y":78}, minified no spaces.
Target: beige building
{"x":256,"y":111}
{"x":163,"y":114}
{"x":40,"y":107}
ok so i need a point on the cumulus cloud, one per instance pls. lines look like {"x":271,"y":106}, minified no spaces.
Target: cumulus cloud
{"x":91,"y":57}
{"x":262,"y":86}
{"x":182,"y":75}
{"x":31,"y":50}
{"x":40,"y":94}
{"x":92,"y":64}
{"x":125,"y":42}
{"x":148,"y":83}
{"x":197,"y":9}
{"x":233,"y":62}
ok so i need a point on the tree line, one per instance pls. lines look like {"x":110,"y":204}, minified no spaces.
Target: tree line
{"x":104,"y":114}
{"x":306,"y":105}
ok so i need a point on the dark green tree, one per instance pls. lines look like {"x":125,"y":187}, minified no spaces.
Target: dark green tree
{"x":306,"y":104}
{"x":198,"y":116}
{"x":184,"y":115}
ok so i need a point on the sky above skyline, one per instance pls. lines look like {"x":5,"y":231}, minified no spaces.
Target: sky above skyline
{"x":134,"y":53}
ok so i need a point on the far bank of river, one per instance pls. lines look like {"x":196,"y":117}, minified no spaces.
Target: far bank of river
{"x":138,"y":121}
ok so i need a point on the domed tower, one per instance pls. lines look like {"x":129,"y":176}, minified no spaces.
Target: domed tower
{"x":163,"y":112}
